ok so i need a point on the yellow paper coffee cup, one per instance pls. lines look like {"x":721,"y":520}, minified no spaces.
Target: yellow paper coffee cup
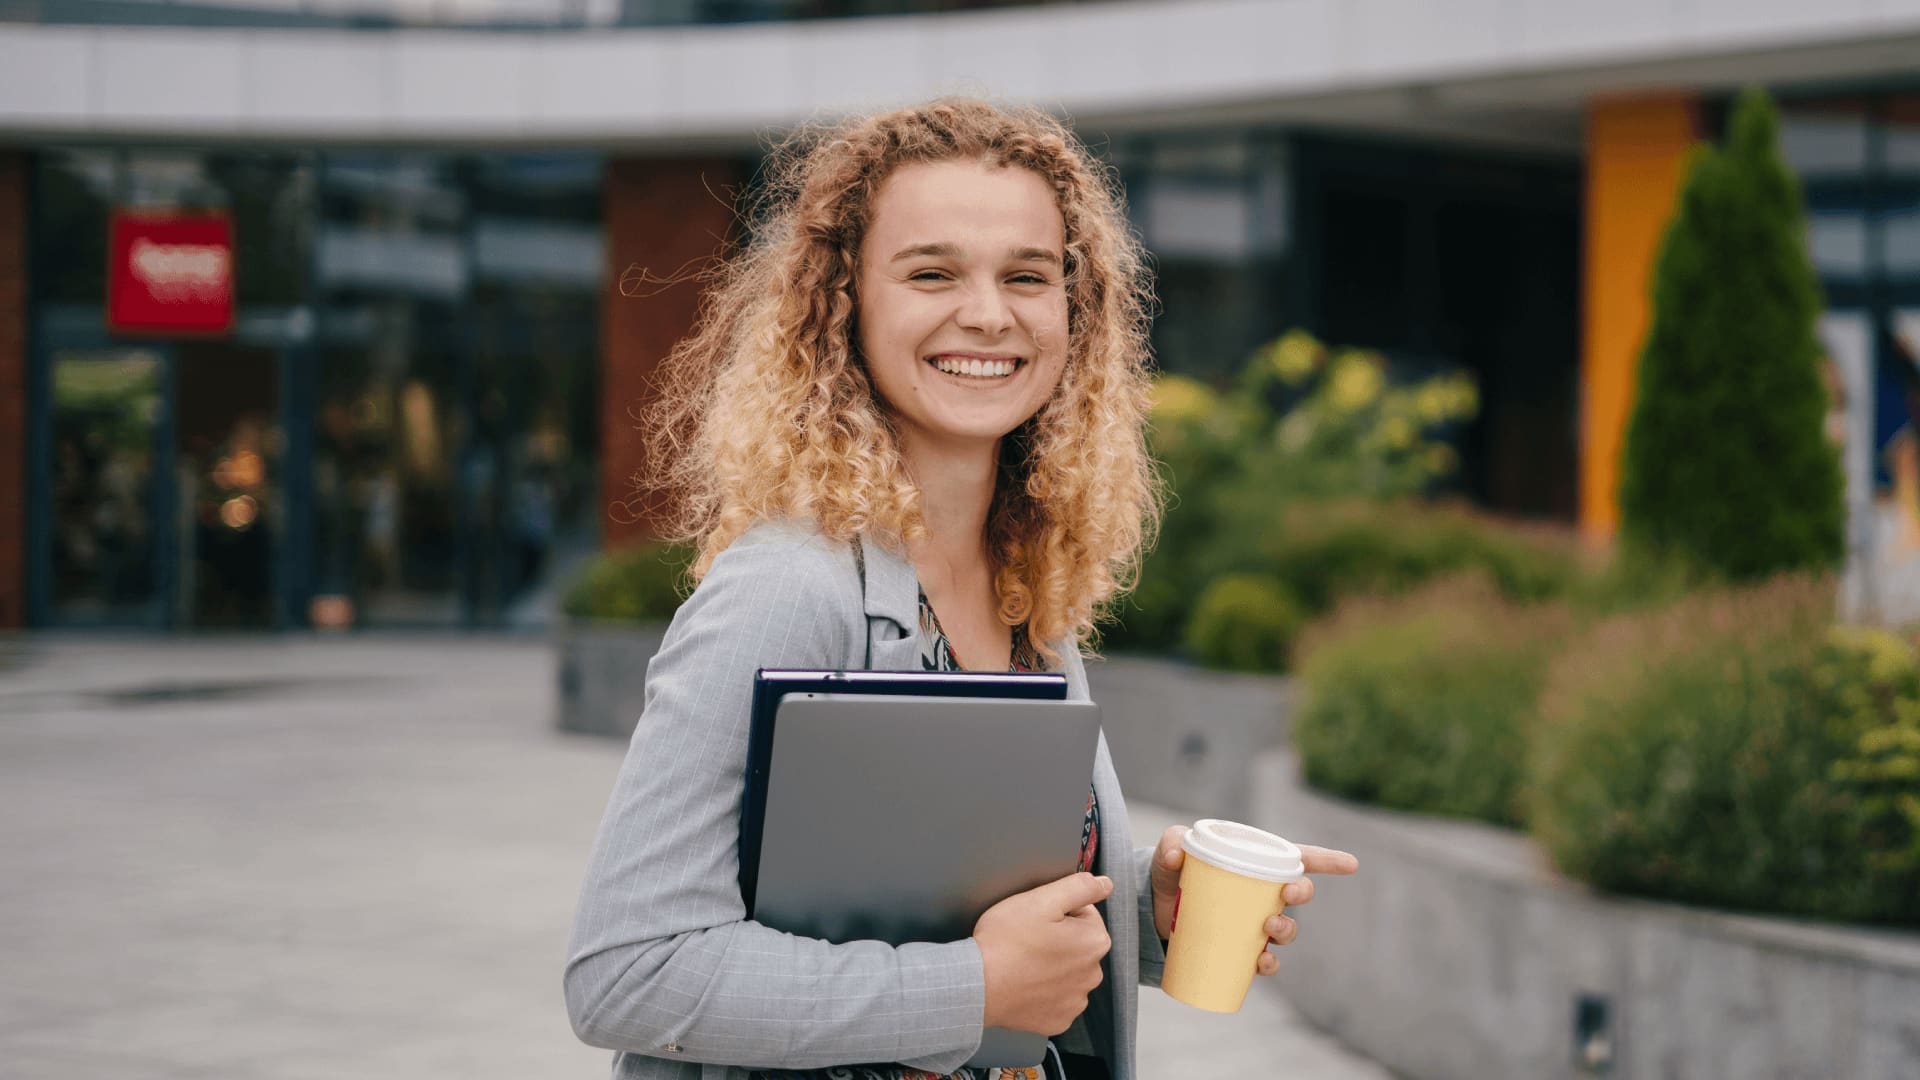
{"x":1229,"y":887}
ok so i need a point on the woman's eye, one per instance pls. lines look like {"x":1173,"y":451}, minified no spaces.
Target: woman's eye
{"x":928,"y":275}
{"x":1029,"y":279}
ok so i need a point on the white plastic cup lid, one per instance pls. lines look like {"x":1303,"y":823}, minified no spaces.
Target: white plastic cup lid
{"x":1244,"y":850}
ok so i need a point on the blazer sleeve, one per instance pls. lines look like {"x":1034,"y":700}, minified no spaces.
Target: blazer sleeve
{"x":662,"y":960}
{"x":1153,"y":951}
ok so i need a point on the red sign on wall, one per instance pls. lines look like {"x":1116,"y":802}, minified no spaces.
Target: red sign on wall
{"x":170,"y":272}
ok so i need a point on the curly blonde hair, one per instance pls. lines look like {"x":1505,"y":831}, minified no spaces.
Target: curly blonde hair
{"x":767,"y":410}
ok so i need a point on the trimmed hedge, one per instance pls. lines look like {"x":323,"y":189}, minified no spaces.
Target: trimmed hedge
{"x":1320,"y":553}
{"x":1244,"y":622}
{"x":634,"y":584}
{"x":1327,"y":551}
{"x":1735,"y":750}
{"x":1425,"y":703}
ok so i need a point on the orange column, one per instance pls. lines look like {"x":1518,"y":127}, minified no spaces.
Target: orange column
{"x":1636,"y":159}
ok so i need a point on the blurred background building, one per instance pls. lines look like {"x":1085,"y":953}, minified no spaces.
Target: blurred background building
{"x":310,"y":310}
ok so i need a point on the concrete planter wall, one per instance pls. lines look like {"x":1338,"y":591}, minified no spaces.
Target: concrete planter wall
{"x":1182,"y":736}
{"x":602,"y":674}
{"x":1458,"y":953}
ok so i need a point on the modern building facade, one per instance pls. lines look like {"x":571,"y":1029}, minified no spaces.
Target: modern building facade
{"x":416,"y":406}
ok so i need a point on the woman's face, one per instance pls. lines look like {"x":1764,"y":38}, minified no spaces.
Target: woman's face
{"x":962,"y":306}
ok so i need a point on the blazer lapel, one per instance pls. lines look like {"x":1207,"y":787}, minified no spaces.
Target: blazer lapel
{"x":892,"y":598}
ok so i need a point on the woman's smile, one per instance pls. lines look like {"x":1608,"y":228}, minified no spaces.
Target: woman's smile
{"x":977,"y":368}
{"x":963,"y":303}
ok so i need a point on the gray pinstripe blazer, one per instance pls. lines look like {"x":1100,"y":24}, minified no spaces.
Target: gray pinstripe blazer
{"x":664,"y":968}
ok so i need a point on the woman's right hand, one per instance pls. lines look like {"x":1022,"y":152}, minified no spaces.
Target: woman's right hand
{"x":1041,"y":950}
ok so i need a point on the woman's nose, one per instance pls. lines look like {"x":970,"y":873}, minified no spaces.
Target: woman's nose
{"x":983,"y":309}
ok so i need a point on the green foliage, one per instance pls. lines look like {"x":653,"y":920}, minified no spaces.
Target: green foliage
{"x":1304,"y":423}
{"x":1730,"y":750}
{"x":1632,"y":580}
{"x":1244,"y":622}
{"x":1324,"y":423}
{"x":1870,"y":685}
{"x":1193,"y":437}
{"x":1726,"y":465}
{"x":1321,"y":552}
{"x":1325,"y":551}
{"x":1424,"y":703}
{"x":635,"y":584}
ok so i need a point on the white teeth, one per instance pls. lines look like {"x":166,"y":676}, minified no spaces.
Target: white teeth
{"x":976,"y":368}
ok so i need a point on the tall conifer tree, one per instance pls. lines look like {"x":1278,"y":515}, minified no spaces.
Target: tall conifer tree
{"x":1727,"y":467}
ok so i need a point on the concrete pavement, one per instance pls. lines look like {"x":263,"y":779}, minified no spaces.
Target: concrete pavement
{"x":281,"y":858}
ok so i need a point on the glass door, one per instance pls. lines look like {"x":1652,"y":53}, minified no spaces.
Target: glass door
{"x":226,"y":452}
{"x":110,"y":529}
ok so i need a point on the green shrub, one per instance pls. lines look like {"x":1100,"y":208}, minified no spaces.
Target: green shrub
{"x":1869,"y":681}
{"x":1327,"y":551}
{"x":1731,"y":750}
{"x":1244,"y":622}
{"x":1633,"y":580}
{"x":1192,"y":434}
{"x":1323,"y":552}
{"x":1301,"y":422}
{"x":1424,"y":703}
{"x":633,"y":584}
{"x":1727,"y":464}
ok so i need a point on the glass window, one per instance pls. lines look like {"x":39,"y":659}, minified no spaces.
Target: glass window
{"x":75,"y":192}
{"x":1903,"y":133}
{"x":226,"y":483}
{"x":1212,"y":210}
{"x":271,"y":199}
{"x":1209,"y":221}
{"x":456,"y":428}
{"x":105,"y":515}
{"x":169,"y":180}
{"x":539,"y":259}
{"x":1827,"y":143}
{"x":393,"y":270}
{"x":1825,"y":138}
{"x":1837,"y":242}
{"x":1901,"y":198}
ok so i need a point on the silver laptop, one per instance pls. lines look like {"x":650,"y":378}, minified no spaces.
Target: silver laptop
{"x":900,"y":819}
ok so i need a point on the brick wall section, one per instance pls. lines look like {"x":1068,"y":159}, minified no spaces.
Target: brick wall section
{"x":13,"y":387}
{"x":663,"y":216}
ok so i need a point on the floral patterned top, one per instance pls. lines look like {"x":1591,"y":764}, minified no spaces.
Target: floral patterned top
{"x":936,"y":654}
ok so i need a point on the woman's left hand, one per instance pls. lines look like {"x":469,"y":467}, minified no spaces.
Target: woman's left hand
{"x":1281,"y":930}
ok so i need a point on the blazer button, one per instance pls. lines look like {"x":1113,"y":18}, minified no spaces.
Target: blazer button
{"x":671,"y":1048}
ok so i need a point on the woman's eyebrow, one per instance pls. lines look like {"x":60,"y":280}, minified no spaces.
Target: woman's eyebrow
{"x":1034,"y":254}
{"x":952,"y":251}
{"x":936,"y":251}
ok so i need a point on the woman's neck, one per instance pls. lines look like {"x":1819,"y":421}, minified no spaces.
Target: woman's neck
{"x":956,"y":495}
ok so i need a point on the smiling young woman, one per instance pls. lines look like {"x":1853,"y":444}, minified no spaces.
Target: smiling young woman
{"x":963,"y":327}
{"x":771,"y":410}
{"x":922,"y":388}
